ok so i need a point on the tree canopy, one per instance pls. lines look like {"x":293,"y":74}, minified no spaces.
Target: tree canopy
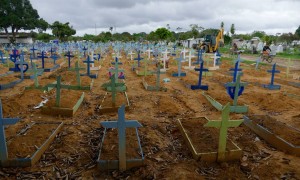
{"x":163,"y":33}
{"x":16,"y":15}
{"x":62,"y":30}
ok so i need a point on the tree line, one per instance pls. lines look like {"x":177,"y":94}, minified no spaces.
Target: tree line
{"x":16,"y":15}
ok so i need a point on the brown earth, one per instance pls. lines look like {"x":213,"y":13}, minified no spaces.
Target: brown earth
{"x":75,"y":150}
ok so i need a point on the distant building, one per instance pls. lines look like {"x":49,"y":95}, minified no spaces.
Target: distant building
{"x":23,"y":38}
{"x":189,"y":42}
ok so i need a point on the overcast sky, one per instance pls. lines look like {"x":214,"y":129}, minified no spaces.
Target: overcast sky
{"x":271,"y":16}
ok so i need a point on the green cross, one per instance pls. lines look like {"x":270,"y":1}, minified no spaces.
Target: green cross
{"x":58,"y":87}
{"x":146,"y":62}
{"x":113,"y":90}
{"x":223,"y":125}
{"x":116,"y":71}
{"x":35,"y":74}
{"x":77,"y":70}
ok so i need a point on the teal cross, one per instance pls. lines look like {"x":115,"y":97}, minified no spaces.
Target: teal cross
{"x":77,"y":70}
{"x":223,"y":125}
{"x":4,"y":122}
{"x":146,"y":62}
{"x":121,"y":124}
{"x":116,"y":70}
{"x":58,"y":87}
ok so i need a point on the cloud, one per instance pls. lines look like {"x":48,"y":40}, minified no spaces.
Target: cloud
{"x":133,"y":16}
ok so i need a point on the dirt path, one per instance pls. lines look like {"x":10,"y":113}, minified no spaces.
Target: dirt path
{"x":279,"y":61}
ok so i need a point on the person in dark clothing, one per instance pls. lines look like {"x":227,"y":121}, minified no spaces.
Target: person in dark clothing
{"x":266,"y":49}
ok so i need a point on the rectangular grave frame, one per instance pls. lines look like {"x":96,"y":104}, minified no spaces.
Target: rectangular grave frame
{"x":56,"y":66}
{"x":32,"y":75}
{"x":110,"y":109}
{"x":219,"y":106}
{"x":10,"y":85}
{"x":75,"y":87}
{"x":152,"y":88}
{"x":7,"y":73}
{"x":272,"y":138}
{"x":68,"y":112}
{"x":114,"y":164}
{"x":208,"y":156}
{"x":27,"y":162}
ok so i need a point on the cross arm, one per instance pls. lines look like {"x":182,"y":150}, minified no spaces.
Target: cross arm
{"x":276,"y":71}
{"x":109,"y":124}
{"x":233,"y":84}
{"x":235,"y":123}
{"x":213,"y":123}
{"x":198,"y":69}
{"x":133,"y":123}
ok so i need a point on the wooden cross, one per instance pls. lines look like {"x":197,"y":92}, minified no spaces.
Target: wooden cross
{"x":4,"y":122}
{"x":223,"y":125}
{"x":116,"y":70}
{"x":69,"y":58}
{"x":43,"y":56}
{"x":121,"y":124}
{"x":58,"y":87}
{"x":77,"y":70}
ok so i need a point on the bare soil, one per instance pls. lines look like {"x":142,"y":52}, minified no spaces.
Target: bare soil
{"x":204,"y":139}
{"x":76,"y":148}
{"x":110,"y":148}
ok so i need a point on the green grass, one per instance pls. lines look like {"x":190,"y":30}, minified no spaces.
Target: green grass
{"x":287,"y":55}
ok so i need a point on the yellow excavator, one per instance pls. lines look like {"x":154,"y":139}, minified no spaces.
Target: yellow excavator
{"x":212,"y":42}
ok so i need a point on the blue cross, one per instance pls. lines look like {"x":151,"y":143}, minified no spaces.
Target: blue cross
{"x":22,"y":63}
{"x":236,"y":70}
{"x":69,"y":58}
{"x":88,"y":62}
{"x":51,"y":51}
{"x":4,"y":122}
{"x":33,"y":50}
{"x":174,"y":50}
{"x":14,"y":55}
{"x":271,"y":85}
{"x":138,"y":58}
{"x":54,"y":57}
{"x":199,"y":85}
{"x":179,"y":73}
{"x":121,"y":124}
{"x":84,"y":50}
{"x":43,"y":56}
{"x":199,"y":57}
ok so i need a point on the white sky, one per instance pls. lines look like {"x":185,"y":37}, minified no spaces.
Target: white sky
{"x":271,"y":16}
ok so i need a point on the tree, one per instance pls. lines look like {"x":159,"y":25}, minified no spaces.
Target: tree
{"x":232,"y":29}
{"x":222,"y":24}
{"x":42,"y":25}
{"x":260,"y":34}
{"x":195,"y":30}
{"x":62,"y":31}
{"x":227,"y":38}
{"x":163,"y":33}
{"x":88,"y":37}
{"x":297,"y":32}
{"x":17,"y":15}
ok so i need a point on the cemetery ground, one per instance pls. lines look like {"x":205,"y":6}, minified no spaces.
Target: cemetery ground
{"x":74,"y":152}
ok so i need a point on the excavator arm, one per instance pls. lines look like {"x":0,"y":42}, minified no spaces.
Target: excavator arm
{"x":219,"y":39}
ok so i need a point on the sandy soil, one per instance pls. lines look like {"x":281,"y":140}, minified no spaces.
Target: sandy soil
{"x":74,"y":152}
